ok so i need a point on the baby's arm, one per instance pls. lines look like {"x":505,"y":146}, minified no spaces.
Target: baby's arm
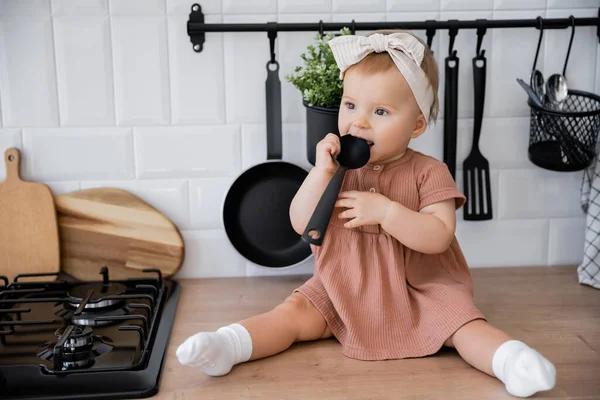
{"x":429,"y":231}
{"x":306,"y":199}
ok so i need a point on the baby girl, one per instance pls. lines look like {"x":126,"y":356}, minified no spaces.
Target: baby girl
{"x":390,"y":279}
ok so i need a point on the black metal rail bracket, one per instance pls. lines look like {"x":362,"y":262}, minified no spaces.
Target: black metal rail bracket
{"x":196,"y":27}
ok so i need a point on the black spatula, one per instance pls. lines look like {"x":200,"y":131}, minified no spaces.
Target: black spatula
{"x":476,"y":169}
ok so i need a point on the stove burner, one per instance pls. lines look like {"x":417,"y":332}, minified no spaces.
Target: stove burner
{"x":88,"y":317}
{"x":76,"y":347}
{"x":93,"y":295}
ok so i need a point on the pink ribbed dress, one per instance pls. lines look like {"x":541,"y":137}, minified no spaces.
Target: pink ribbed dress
{"x":381,"y":299}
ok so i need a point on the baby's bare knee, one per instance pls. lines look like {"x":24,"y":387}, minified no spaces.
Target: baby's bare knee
{"x":302,"y":314}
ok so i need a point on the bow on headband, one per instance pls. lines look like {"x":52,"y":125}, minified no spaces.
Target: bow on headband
{"x":405,"y":50}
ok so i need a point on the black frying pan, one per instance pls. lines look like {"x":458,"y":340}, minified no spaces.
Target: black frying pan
{"x":256,"y":208}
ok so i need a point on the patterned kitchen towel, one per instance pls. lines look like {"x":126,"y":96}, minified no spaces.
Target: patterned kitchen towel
{"x":588,"y":271}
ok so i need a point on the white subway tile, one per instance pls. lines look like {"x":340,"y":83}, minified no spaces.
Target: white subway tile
{"x":503,"y":141}
{"x":597,"y":90}
{"x":566,"y":241}
{"x":9,"y":138}
{"x":304,"y":268}
{"x":137,"y":7}
{"x":359,"y":17}
{"x":291,"y":46}
{"x":504,"y":243}
{"x":169,"y":197}
{"x":494,"y":192}
{"x":141,"y":70}
{"x":209,"y":254}
{"x":60,"y":187}
{"x":466,"y":5}
{"x":519,"y":4}
{"x":539,"y":193}
{"x":78,"y":153}
{"x":27,"y":73}
{"x":249,"y":7}
{"x":512,"y":61}
{"x":573,"y":4}
{"x":187,"y":151}
{"x":79,"y":7}
{"x":466,"y":44}
{"x":413,"y":5}
{"x":351,"y":6}
{"x":307,"y":6}
{"x":254,"y":145}
{"x":197,"y":79}
{"x":294,"y":145}
{"x":25,"y":8}
{"x":84,"y":68}
{"x":246,"y":57}
{"x":206,"y":202}
{"x":185,"y":7}
{"x":581,"y":67}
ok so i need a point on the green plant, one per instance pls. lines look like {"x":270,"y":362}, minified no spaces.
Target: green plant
{"x":318,"y":79}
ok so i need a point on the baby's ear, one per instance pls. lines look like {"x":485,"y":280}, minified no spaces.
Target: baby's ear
{"x":420,"y":126}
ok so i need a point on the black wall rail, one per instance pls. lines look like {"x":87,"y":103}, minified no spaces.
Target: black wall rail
{"x":196,"y":27}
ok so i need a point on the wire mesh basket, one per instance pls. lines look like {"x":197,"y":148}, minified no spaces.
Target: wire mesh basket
{"x":565,"y":139}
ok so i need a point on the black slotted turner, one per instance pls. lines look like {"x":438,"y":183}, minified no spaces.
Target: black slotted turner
{"x":476,"y":169}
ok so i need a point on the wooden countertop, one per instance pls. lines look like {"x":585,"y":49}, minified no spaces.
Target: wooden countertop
{"x":545,"y":307}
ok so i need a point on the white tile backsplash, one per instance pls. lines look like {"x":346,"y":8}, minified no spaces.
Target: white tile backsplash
{"x":141,"y":65}
{"x":566,"y":241}
{"x":137,"y":7}
{"x":362,"y":6}
{"x":537,"y":193}
{"x":84,"y":69}
{"x":27,"y":72}
{"x":209,"y":254}
{"x":187,"y":151}
{"x":186,"y":81}
{"x":206,"y":202}
{"x":110,"y":93}
{"x":504,"y":243}
{"x":79,"y":7}
{"x":78,"y":153}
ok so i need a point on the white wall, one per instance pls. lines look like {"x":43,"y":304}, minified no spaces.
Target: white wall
{"x":101,"y":92}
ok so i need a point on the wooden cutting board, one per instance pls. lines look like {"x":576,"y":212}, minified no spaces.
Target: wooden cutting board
{"x":114,"y":228}
{"x":28,"y":228}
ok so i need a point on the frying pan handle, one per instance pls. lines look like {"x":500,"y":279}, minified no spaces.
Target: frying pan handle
{"x":12,"y":159}
{"x":317,"y":226}
{"x":273,"y":94}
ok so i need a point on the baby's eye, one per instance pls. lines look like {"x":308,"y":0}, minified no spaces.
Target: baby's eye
{"x":381,"y":111}
{"x":350,"y":105}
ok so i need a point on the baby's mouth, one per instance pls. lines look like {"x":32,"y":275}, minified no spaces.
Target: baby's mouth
{"x":370,"y":143}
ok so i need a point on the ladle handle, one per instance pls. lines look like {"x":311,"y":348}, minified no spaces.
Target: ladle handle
{"x":317,"y":226}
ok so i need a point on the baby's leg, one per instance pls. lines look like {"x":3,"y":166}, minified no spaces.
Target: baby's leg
{"x":263,"y":335}
{"x":522,"y":369}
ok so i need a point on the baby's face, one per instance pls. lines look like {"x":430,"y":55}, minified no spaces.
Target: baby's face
{"x":381,"y":109}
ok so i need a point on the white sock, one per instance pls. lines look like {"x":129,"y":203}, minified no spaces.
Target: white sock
{"x":216,"y":353}
{"x":522,"y":369}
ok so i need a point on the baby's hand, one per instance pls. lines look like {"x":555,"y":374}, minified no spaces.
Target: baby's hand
{"x":364,"y":208}
{"x":327,"y":147}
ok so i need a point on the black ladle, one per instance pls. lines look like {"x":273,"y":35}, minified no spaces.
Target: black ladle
{"x":354,"y":153}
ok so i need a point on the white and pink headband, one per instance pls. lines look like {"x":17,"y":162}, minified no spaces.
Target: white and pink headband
{"x":406,"y":51}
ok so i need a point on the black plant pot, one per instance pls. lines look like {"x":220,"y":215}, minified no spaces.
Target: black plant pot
{"x":319,"y":122}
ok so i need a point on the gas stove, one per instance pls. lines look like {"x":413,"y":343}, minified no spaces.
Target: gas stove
{"x":66,"y":339}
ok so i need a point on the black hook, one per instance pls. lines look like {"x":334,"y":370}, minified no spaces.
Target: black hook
{"x":272,"y":33}
{"x":353,"y":27}
{"x":321,"y":27}
{"x":481,"y":30}
{"x":572,"y":18}
{"x":537,"y":52}
{"x":430,"y":32}
{"x":452,"y":31}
